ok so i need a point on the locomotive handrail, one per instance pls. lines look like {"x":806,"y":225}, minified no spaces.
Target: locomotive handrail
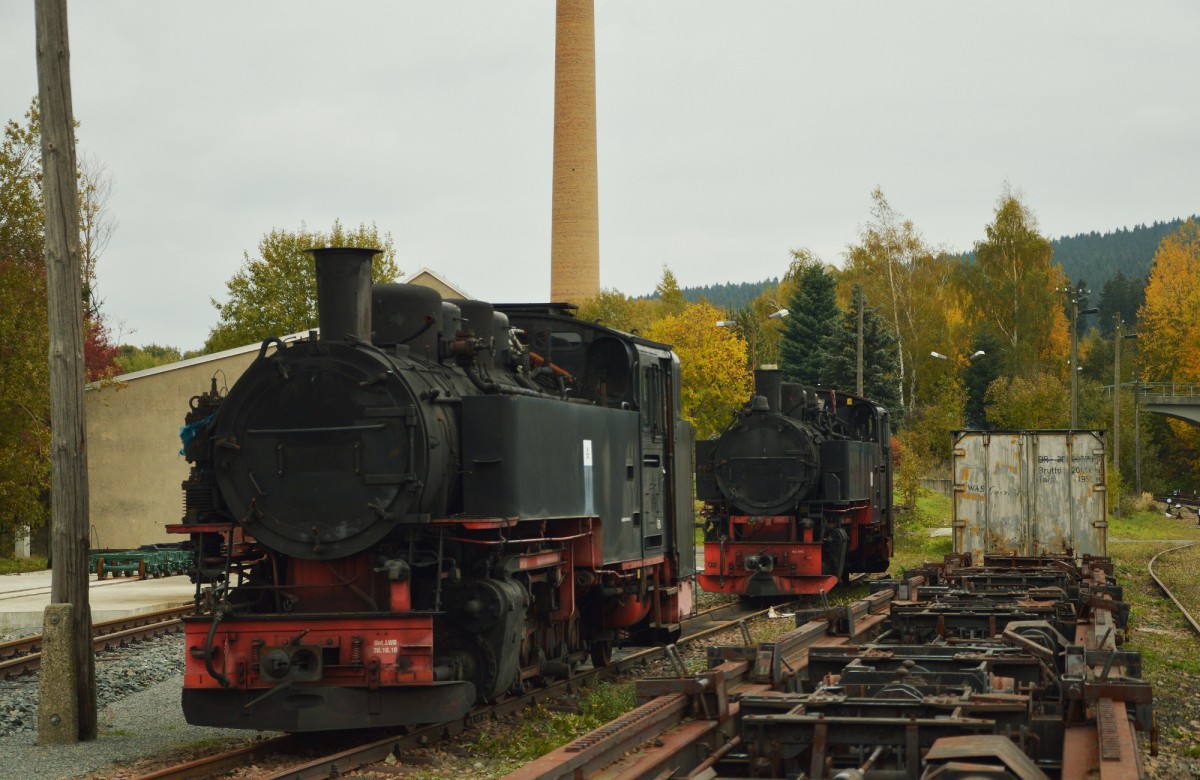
{"x":330,"y":429}
{"x":279,"y":343}
{"x":518,"y":540}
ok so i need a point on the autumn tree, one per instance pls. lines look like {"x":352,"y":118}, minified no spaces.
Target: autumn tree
{"x":1021,"y":402}
{"x":762,"y":324}
{"x":1012,"y":287}
{"x":810,"y":324}
{"x":884,"y":264}
{"x":131,"y":358}
{"x":715,"y":380}
{"x":1170,"y":331}
{"x":275,"y":292}
{"x":1169,"y":327}
{"x":614,"y":309}
{"x":671,"y":301}
{"x":25,"y":378}
{"x":925,"y":440}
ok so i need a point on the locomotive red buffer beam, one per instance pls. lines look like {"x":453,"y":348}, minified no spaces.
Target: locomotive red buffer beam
{"x":764,"y":569}
{"x":317,"y":673}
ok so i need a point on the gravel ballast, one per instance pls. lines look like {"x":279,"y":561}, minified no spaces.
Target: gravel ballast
{"x":138,"y":703}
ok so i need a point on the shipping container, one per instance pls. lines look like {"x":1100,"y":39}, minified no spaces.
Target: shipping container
{"x":1030,"y":492}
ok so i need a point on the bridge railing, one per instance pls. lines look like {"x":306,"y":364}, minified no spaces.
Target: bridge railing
{"x":1168,"y":388}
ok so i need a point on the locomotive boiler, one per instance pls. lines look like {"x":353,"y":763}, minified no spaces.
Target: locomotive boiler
{"x":430,"y":505}
{"x":797,"y":492}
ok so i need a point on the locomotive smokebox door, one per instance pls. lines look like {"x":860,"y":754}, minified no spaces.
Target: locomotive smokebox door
{"x":765,"y":463}
{"x":314,"y":450}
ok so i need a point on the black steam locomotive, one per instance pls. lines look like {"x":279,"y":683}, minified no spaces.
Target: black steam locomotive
{"x":432,"y":504}
{"x":797,"y":492}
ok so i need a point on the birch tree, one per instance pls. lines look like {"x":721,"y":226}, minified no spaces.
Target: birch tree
{"x":1012,"y":288}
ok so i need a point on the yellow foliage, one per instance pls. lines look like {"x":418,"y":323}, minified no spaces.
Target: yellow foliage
{"x":1169,"y":326}
{"x":715,"y":379}
{"x":1019,"y":403}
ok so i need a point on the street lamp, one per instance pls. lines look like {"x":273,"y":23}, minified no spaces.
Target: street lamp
{"x":749,"y":331}
{"x":972,"y":356}
{"x":1075,"y":294}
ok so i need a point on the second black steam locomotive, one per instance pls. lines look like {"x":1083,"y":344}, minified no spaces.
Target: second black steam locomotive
{"x":797,"y":492}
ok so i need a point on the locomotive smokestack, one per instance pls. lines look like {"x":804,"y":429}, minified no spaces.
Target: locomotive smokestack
{"x":575,"y":210}
{"x":767,"y":383}
{"x":344,"y":292}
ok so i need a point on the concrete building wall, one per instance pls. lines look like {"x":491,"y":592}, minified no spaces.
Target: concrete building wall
{"x":134,"y":465}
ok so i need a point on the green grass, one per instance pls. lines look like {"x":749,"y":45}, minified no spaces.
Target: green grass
{"x":1152,"y":525}
{"x":913,"y":544}
{"x":543,"y":730}
{"x":18,"y":565}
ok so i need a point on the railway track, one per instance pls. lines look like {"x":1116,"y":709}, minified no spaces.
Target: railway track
{"x":1187,"y":615}
{"x":23,"y":655}
{"x":369,"y":751}
{"x":932,"y":678}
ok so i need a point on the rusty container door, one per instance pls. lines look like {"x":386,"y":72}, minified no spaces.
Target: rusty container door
{"x":1029,"y":492}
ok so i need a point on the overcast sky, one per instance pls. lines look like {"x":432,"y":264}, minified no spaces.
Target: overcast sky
{"x":729,"y":133}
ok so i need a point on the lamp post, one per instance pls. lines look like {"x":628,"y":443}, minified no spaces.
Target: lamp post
{"x":1137,"y":434}
{"x":1116,"y":447}
{"x":969,"y":358}
{"x":748,"y":334}
{"x":1075,"y":295}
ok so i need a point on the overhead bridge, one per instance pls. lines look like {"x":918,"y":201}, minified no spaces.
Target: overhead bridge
{"x":1181,"y":401}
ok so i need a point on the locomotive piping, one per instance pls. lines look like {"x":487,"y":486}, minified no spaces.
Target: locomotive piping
{"x":218,"y":616}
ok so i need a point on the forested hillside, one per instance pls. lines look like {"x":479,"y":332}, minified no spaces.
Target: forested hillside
{"x":730,"y":296}
{"x":1095,"y":258}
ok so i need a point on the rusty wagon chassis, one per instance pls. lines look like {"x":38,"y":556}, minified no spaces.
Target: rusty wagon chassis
{"x":1009,"y":668}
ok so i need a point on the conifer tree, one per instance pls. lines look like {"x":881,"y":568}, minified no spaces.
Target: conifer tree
{"x":881,"y":360}
{"x":809,"y":326}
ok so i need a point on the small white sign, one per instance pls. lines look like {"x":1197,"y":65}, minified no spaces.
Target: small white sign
{"x":587,"y":452}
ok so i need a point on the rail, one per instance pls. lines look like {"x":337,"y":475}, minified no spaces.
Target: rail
{"x":1162,"y":586}
{"x":23,"y":655}
{"x":913,"y":700}
{"x":371,"y":750}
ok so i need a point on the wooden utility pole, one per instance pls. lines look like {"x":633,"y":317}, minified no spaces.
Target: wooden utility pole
{"x":1116,"y":437}
{"x":858,"y":349}
{"x":69,"y":487}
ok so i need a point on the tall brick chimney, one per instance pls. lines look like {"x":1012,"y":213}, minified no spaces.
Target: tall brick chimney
{"x":575,"y":213}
